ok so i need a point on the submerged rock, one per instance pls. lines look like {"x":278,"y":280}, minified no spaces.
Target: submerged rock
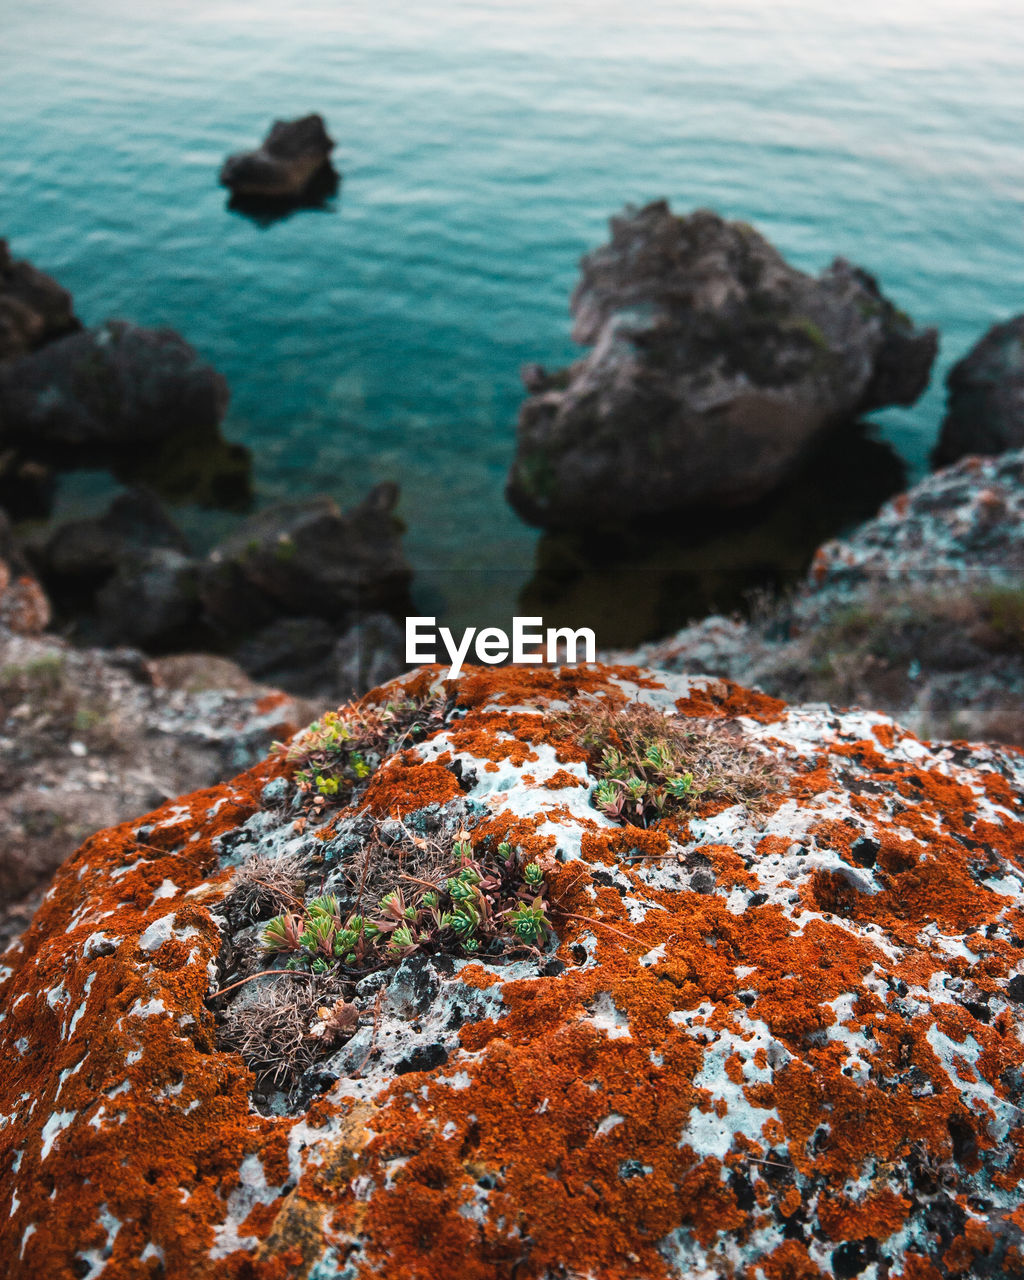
{"x":920,"y":612}
{"x":715,"y":367}
{"x":986,"y":396}
{"x":34,"y":309}
{"x":778,"y":1037}
{"x":292,"y":156}
{"x":679,"y":567}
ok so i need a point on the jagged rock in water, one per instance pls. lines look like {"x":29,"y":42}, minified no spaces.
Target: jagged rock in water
{"x":34,"y":309}
{"x":715,"y":367}
{"x":777,"y":1037}
{"x":292,"y":156}
{"x":986,"y":396}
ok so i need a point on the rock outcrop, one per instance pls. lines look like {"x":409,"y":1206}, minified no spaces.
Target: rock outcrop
{"x":986,"y":396}
{"x":114,"y":387}
{"x":919,"y":612}
{"x":294,"y":155}
{"x":290,"y":581}
{"x":775,"y":1033}
{"x":34,"y":309}
{"x":303,"y":595}
{"x":90,"y":737}
{"x":715,"y":368}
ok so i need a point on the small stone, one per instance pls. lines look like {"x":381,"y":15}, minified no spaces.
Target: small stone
{"x":275,"y":792}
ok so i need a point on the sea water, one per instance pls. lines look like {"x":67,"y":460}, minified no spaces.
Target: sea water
{"x":484,"y":144}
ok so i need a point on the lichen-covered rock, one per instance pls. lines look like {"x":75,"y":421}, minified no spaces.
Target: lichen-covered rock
{"x":292,"y":155}
{"x":920,"y":611}
{"x":764,"y":1041}
{"x":715,"y":367}
{"x":986,"y":396}
{"x":34,"y":309}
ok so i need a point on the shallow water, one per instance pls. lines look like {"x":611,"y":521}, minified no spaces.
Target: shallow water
{"x":483,"y":146}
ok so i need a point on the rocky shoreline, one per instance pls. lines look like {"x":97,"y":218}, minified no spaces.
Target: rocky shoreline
{"x":702,"y":959}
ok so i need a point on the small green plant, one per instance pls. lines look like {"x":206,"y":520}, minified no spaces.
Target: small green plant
{"x":345,"y":747}
{"x":489,"y":902}
{"x":650,"y":766}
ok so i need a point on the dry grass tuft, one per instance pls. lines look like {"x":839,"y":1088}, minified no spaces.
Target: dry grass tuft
{"x":651,"y":765}
{"x":263,"y":886}
{"x":279,"y":1028}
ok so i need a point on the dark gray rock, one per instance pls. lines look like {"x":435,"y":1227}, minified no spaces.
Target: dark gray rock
{"x":152,"y":600}
{"x":117,"y":386}
{"x":293,"y":154}
{"x":129,"y":570}
{"x":34,"y":309}
{"x":88,"y":551}
{"x":309,"y":560}
{"x":986,"y":396}
{"x":716,"y":367}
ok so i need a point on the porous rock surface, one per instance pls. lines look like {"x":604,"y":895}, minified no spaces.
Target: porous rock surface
{"x":716,"y":366}
{"x":907,"y":591}
{"x":771,"y":1048}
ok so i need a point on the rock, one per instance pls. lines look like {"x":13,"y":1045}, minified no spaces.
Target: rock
{"x":677,"y":569}
{"x":114,"y":387}
{"x":79,"y":555}
{"x":307,"y":656}
{"x":127,"y":576}
{"x":34,"y":309}
{"x":293,"y":154}
{"x":986,"y":396}
{"x":919,"y":612}
{"x":308,"y":560}
{"x":90,"y":737}
{"x":715,"y":367}
{"x":810,"y":1064}
{"x":152,"y":601}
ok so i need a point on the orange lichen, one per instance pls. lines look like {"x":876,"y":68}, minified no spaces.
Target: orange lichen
{"x":568,"y":1136}
{"x":406,"y":784}
{"x":563,"y":779}
{"x":722,"y":699}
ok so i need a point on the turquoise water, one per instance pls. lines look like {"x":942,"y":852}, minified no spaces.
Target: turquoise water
{"x":483,"y":146}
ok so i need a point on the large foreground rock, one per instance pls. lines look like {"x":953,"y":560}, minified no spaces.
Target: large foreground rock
{"x":715,"y":367}
{"x":34,"y":309}
{"x":986,"y":396}
{"x":920,"y":611}
{"x":771,"y":1043}
{"x":291,"y":157}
